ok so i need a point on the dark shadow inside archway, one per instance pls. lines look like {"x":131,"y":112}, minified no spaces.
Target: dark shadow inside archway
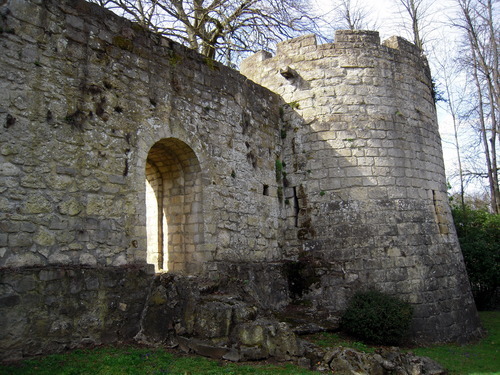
{"x":174,"y":215}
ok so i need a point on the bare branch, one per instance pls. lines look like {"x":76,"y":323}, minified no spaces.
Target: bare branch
{"x":353,"y":15}
{"x":419,"y":14}
{"x":217,"y":28}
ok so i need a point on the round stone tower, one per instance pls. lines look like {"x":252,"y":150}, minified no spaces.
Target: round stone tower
{"x":364,"y":190}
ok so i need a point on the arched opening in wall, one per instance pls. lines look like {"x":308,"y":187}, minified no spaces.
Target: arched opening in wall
{"x":174,"y":216}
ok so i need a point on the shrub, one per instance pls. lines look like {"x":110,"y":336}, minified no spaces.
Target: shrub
{"x":377,"y":318}
{"x":479,"y":236}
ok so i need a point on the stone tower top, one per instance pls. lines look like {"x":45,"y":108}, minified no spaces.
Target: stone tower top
{"x":344,"y":39}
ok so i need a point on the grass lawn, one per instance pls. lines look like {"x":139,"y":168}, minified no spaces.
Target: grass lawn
{"x":132,"y":360}
{"x":481,"y":358}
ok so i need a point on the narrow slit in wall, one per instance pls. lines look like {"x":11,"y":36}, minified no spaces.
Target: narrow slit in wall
{"x":296,"y":206}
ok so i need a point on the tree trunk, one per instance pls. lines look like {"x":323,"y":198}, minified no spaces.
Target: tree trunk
{"x":491,"y":167}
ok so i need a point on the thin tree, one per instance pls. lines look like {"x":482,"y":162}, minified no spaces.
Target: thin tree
{"x":480,"y":57}
{"x":449,"y":74}
{"x":221,"y":29}
{"x":353,"y":15}
{"x":418,"y":13}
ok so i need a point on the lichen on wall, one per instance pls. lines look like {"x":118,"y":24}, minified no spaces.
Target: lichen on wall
{"x":322,"y":178}
{"x":86,"y":95}
{"x":365,"y":177}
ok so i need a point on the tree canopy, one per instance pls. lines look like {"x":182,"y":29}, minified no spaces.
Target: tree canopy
{"x":221,"y":29}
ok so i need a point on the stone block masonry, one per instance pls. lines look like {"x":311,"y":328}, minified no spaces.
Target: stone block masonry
{"x":365,"y":181}
{"x":102,"y":122}
{"x":98,"y":106}
{"x":122,"y":151}
{"x":54,"y":308}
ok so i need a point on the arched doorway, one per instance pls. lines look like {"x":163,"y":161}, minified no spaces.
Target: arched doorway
{"x":174,"y":217}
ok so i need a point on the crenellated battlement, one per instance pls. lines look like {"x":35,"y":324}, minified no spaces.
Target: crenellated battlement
{"x":307,"y":45}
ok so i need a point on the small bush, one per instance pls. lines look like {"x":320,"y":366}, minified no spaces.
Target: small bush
{"x":377,"y":318}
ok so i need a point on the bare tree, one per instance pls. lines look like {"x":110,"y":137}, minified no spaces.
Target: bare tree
{"x":450,"y":74}
{"x":140,"y":11}
{"x":416,"y":19}
{"x":478,"y":22}
{"x":221,"y":29}
{"x":353,"y":15}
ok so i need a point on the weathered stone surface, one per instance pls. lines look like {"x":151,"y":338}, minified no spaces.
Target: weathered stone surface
{"x":118,"y":147}
{"x":202,"y":347}
{"x":78,"y":125}
{"x":217,"y":320}
{"x":346,"y":361}
{"x":52,"y":309}
{"x":365,"y":184}
{"x":181,"y":311}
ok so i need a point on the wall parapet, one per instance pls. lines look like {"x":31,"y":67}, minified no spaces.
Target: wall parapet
{"x":344,"y":39}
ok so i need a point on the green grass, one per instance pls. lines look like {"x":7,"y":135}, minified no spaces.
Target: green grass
{"x":481,"y":358}
{"x":133,"y":360}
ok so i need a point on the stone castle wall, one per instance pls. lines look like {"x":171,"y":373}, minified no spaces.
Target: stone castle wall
{"x":92,"y":107}
{"x":121,"y":151}
{"x":365,"y":177}
{"x":54,"y":308}
{"x":89,"y":100}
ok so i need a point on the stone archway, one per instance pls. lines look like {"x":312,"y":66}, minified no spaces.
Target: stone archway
{"x":174,"y":215}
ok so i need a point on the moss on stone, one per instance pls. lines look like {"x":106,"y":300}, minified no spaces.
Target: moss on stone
{"x":174,"y":58}
{"x":138,"y":27}
{"x":123,"y":43}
